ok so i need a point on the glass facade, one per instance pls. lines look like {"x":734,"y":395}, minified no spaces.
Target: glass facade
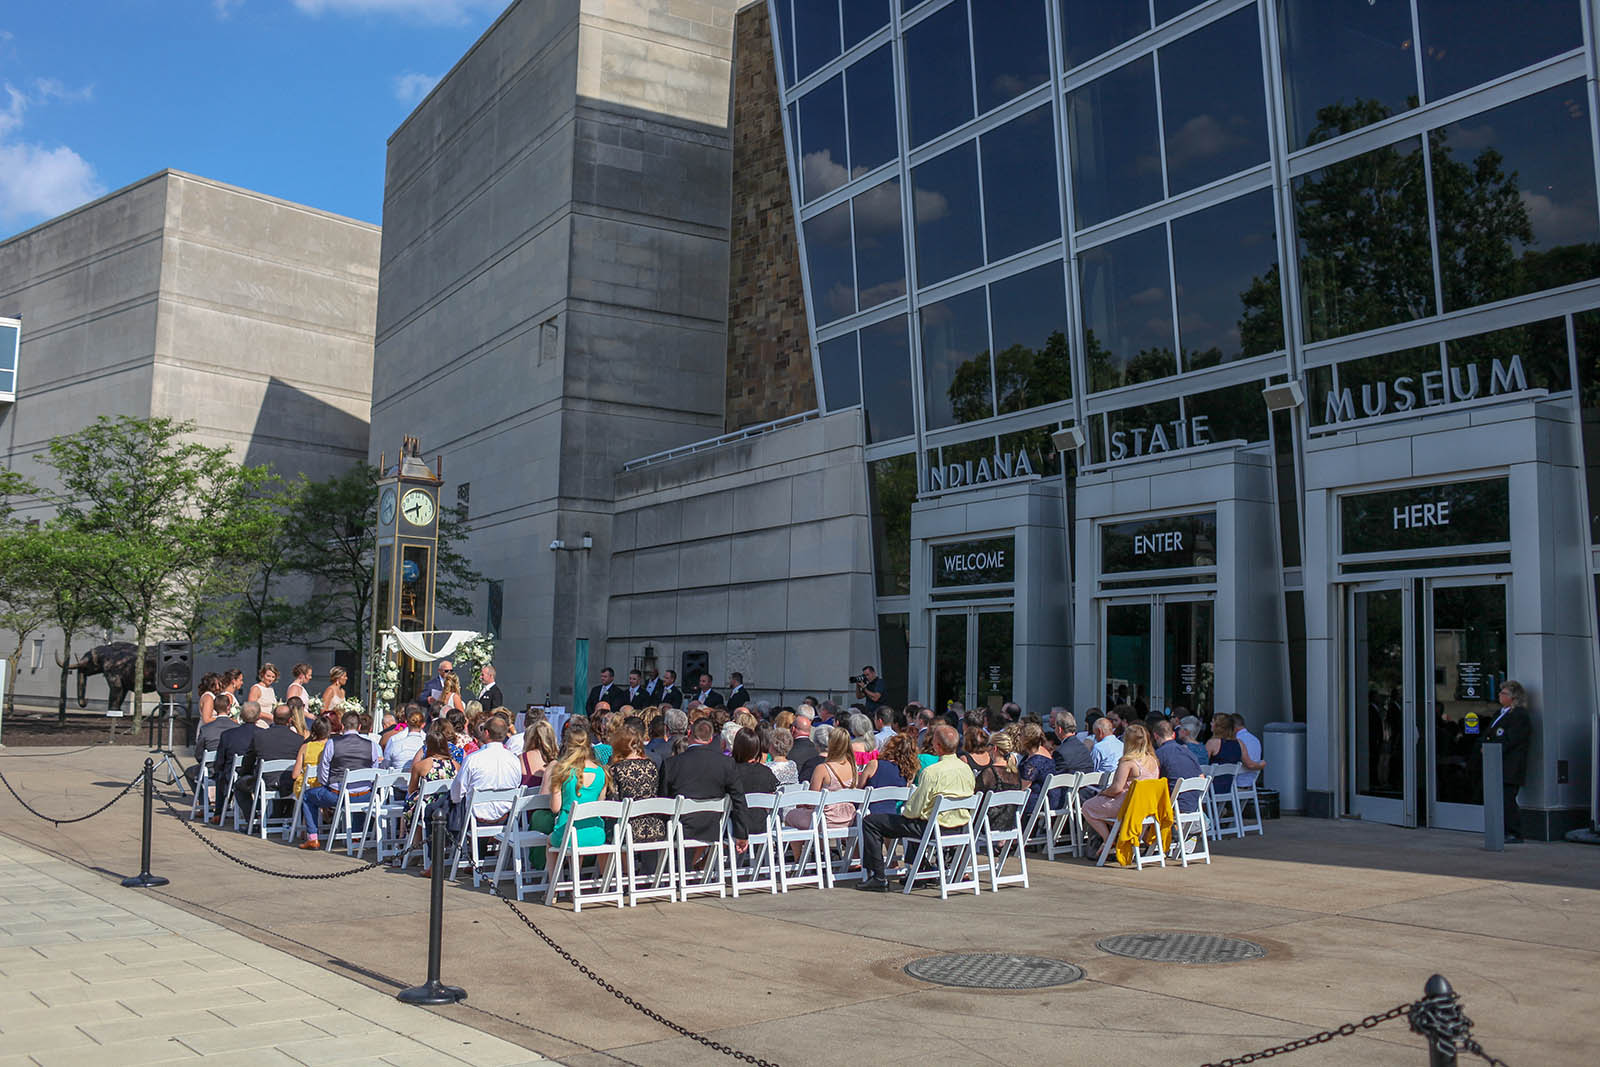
{"x":10,"y":342}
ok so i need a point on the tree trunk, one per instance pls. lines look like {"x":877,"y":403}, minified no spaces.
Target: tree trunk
{"x":138,"y":677}
{"x":11,"y":674}
{"x":61,"y":709}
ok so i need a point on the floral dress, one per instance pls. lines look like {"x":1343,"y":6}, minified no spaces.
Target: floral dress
{"x":442,"y":771}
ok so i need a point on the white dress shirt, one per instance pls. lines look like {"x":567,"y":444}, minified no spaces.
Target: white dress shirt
{"x":514,"y":742}
{"x":1252,"y":748}
{"x":1106,"y":752}
{"x":401,"y":750}
{"x":491,"y":767}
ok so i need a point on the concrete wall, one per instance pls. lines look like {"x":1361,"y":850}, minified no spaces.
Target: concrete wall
{"x":758,"y":552}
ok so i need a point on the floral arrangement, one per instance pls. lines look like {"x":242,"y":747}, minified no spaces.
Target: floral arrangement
{"x":472,"y":657}
{"x":385,"y":673}
{"x":352,"y":704}
{"x":314,"y":706}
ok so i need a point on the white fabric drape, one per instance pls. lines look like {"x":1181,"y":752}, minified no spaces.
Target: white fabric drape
{"x":412,"y":644}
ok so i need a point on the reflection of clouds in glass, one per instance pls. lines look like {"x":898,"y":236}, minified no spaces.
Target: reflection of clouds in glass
{"x":1146,"y":163}
{"x":840,"y":299}
{"x":878,"y":210}
{"x":930,"y":205}
{"x":832,"y":227}
{"x":1559,"y":223}
{"x":1153,"y":295}
{"x":1006,"y":86}
{"x":1205,"y":136}
{"x":1200,"y":333}
{"x":874,"y":295}
{"x":819,"y":173}
{"x":1472,"y":138}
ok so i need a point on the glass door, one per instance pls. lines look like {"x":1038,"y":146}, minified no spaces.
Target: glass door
{"x":949,"y":659}
{"x":1187,"y":655}
{"x":1381,"y":705}
{"x":1127,"y":653}
{"x":1159,"y":652}
{"x":1467,"y":643}
{"x":974,"y":656}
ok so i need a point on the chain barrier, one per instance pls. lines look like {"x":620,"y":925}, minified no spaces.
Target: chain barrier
{"x":582,"y":969}
{"x":80,"y":818}
{"x":184,"y":821}
{"x":1438,"y":1018}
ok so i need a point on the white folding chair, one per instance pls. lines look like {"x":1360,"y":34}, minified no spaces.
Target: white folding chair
{"x":356,"y":797}
{"x":1190,"y":837}
{"x":1009,"y":839}
{"x":203,"y":784}
{"x":514,"y":841}
{"x":712,"y":844}
{"x":389,"y":809}
{"x":792,"y":872}
{"x":745,"y":870}
{"x":878,"y":794}
{"x":1048,"y":822}
{"x":837,"y":868}
{"x":1222,"y":805}
{"x":961,"y":873}
{"x":1142,"y":854}
{"x":228,"y":805}
{"x":1244,"y":793}
{"x":267,"y":795}
{"x":416,"y":836}
{"x":605,"y":886}
{"x":475,"y":831}
{"x":664,"y":882}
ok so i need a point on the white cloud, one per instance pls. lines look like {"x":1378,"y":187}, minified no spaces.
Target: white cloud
{"x":36,"y":181}
{"x":411,"y":88}
{"x":46,"y":89}
{"x":226,"y":8}
{"x":423,"y":10}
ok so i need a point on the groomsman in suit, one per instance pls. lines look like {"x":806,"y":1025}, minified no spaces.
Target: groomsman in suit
{"x":738,"y":696}
{"x":607,"y":691}
{"x":636,"y":692}
{"x":707,"y":695}
{"x":671,"y":695}
{"x":653,"y":688}
{"x":491,"y":697}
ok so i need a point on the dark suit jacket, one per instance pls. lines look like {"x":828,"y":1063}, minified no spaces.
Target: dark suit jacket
{"x":1072,"y":755}
{"x":754,"y":778}
{"x":234,"y":744}
{"x":652,"y":690}
{"x":209,"y":736}
{"x":492,"y":698}
{"x":672,"y":697}
{"x":658,"y":749}
{"x":275,"y":742}
{"x":803,"y":752}
{"x":612,"y":692}
{"x":702,"y":772}
{"x":1513,"y":733}
{"x":739,"y":698}
{"x":713,"y":699}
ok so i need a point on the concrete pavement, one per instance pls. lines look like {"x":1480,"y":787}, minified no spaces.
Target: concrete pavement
{"x":1354,"y":918}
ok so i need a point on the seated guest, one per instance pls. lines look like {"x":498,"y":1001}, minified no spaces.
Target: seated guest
{"x":1035,"y":764}
{"x":433,"y":764}
{"x":896,"y":765}
{"x":404,"y":744}
{"x":946,"y":777}
{"x":538,"y":752}
{"x":991,"y":772}
{"x":231,"y":749}
{"x":820,"y":735}
{"x":601,"y":725}
{"x":835,"y":771}
{"x":702,"y":772}
{"x":491,"y":767}
{"x":350,"y":751}
{"x":784,"y":770}
{"x":753,"y":775}
{"x":635,"y":776}
{"x":277,"y":742}
{"x":1107,"y":749}
{"x":1249,"y":750}
{"x":206,"y":739}
{"x":804,"y":750}
{"x":658,"y":748}
{"x":1071,"y":754}
{"x":676,"y":739}
{"x":305,"y":761}
{"x":1176,"y":762}
{"x":863,"y":741}
{"x":575,"y":778}
{"x":1189,"y":735}
{"x":1137,"y":762}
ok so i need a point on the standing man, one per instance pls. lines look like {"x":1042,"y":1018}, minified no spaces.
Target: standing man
{"x":605,"y":691}
{"x":490,"y":697}
{"x":670,"y":695}
{"x":738,"y":696}
{"x":653,"y":686}
{"x":946,"y":777}
{"x":435,"y":685}
{"x":1512,"y":730}
{"x":870,"y":689}
{"x":707,"y":695}
{"x":637,"y":694}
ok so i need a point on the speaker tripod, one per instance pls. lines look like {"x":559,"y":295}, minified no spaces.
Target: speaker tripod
{"x":169,"y":759}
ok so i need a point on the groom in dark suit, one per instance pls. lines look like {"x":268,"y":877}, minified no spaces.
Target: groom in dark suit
{"x":491,"y":697}
{"x":607,"y":691}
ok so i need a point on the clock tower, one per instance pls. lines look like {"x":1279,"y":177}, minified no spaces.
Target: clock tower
{"x":406,"y":561}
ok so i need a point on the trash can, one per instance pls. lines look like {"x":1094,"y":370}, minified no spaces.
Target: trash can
{"x":1283,"y":747}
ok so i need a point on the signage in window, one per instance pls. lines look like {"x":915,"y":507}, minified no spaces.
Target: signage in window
{"x":1428,"y":516}
{"x":986,"y":562}
{"x":1167,"y":543}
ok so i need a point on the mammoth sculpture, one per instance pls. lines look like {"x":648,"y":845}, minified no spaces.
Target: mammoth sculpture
{"x":115,"y":661}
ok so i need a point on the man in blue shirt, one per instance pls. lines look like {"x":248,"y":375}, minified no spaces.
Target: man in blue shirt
{"x":1176,"y":762}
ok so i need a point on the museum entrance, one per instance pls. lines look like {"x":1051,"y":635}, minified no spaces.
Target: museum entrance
{"x":1426,"y":657}
{"x":1159,"y":651}
{"x":973,"y":656}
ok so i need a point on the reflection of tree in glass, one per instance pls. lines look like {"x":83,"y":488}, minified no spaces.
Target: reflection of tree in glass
{"x":1027,"y":377}
{"x":1147,"y":366}
{"x":970,"y":397}
{"x":894,"y":489}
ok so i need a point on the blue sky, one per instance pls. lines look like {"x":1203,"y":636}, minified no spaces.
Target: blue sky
{"x":294,"y":98}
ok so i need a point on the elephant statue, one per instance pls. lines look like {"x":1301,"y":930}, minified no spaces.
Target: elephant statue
{"x":115,"y":661}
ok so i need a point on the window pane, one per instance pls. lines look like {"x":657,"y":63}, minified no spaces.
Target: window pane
{"x":1116,"y":153}
{"x":1171,"y":9}
{"x":833,"y":283}
{"x":822,"y":147}
{"x":945,"y":201}
{"x":955,"y":361}
{"x":873,"y":137}
{"x":1031,"y":364}
{"x":1132,"y":432}
{"x":785,"y":38}
{"x":1375,"y":385}
{"x":1021,"y":206}
{"x":1236,"y":413}
{"x":840,"y":382}
{"x":8,"y":381}
{"x":1226,"y":263}
{"x":1346,"y":64}
{"x":863,"y":18}
{"x":886,"y":380}
{"x":1213,"y":105}
{"x":938,"y":74}
{"x":1090,"y":27}
{"x":1468,"y":42}
{"x":816,"y":34}
{"x":8,"y":347}
{"x":1538,"y":348}
{"x":1363,"y":233}
{"x":880,"y":250}
{"x":1011,"y":48}
{"x":1586,"y":331}
{"x":892,"y":483}
{"x":1127,"y":311}
{"x":894,"y":652}
{"x":1515,"y":196}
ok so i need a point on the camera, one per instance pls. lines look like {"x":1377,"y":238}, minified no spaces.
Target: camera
{"x":856,"y":679}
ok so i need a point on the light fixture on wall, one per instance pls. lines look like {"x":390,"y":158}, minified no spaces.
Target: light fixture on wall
{"x":1282,"y":396}
{"x":1068,"y":439}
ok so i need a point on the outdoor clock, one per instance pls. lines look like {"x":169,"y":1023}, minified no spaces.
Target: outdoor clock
{"x":417,"y":507}
{"x":386,"y":507}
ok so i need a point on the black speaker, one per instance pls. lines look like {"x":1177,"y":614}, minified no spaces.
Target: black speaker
{"x":695,"y":664}
{"x":174,"y":669}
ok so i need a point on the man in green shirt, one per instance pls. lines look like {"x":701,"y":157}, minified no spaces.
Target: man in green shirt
{"x":946,"y":777}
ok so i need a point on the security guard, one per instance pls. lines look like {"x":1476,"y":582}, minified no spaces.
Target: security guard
{"x":1512,"y":730}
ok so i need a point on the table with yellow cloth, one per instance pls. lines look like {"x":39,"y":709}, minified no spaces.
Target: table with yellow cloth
{"x":1147,"y":797}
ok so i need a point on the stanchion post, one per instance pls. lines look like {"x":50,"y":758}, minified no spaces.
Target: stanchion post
{"x":1438,"y":987}
{"x":144,"y":879}
{"x":433,"y":991}
{"x":1494,"y":799}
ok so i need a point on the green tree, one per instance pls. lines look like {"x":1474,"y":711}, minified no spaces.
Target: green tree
{"x":149,"y":494}
{"x":74,"y":606}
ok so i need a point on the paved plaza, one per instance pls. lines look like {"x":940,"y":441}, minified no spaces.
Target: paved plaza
{"x":1354,"y":918}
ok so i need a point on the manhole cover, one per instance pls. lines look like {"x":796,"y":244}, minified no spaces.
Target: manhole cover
{"x":993,"y":971}
{"x":1180,"y":947}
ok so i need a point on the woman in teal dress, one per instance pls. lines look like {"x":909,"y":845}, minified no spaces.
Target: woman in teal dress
{"x":575,"y":778}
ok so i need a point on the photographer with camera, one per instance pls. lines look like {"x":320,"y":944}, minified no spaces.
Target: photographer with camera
{"x":869,"y":689}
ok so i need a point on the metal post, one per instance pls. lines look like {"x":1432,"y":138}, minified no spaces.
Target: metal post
{"x":144,"y":879}
{"x":1494,"y":806}
{"x":1437,"y":987}
{"x":432,"y":991}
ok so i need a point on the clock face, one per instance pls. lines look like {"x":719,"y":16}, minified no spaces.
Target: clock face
{"x":417,"y":507}
{"x":386,"y":508}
